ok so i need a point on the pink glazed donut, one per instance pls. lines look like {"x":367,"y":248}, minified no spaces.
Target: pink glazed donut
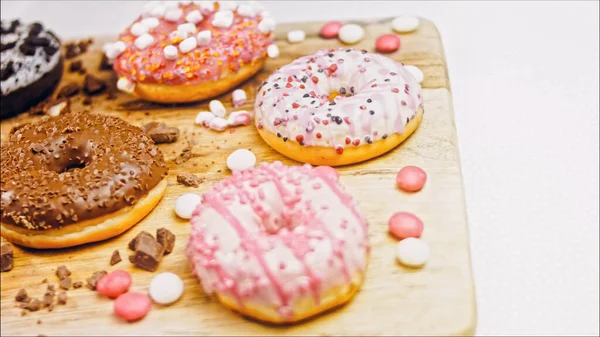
{"x":279,"y":243}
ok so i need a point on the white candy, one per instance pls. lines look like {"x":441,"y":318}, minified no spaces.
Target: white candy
{"x":206,"y":5}
{"x":351,"y":33}
{"x":150,"y":22}
{"x":238,"y":97}
{"x":416,"y":72}
{"x":124,"y":84}
{"x":412,"y":252}
{"x":266,"y":25}
{"x":241,"y":159}
{"x":143,"y":41}
{"x":273,"y":51}
{"x":227,"y":6}
{"x":223,"y":19}
{"x":188,"y":45}
{"x":170,"y":52}
{"x":165,"y":288}
{"x":187,"y":28}
{"x":296,"y":36}
{"x":405,"y":24}
{"x":245,"y":10}
{"x":194,"y":17}
{"x":186,"y":204}
{"x":204,"y":37}
{"x":138,"y":29}
{"x":217,"y":108}
{"x":238,"y":118}
{"x":173,"y":14}
{"x":203,"y":118}
{"x":218,"y":124}
{"x":158,"y":11}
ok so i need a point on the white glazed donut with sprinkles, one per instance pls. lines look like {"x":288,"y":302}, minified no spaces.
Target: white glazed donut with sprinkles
{"x":338,"y":106}
{"x":279,"y":243}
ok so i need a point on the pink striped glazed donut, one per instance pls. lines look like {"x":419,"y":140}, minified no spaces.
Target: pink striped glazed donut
{"x":279,"y":243}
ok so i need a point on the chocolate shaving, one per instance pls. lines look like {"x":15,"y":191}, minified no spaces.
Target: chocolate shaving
{"x":62,"y":272}
{"x":189,"y":179}
{"x":161,"y":133}
{"x":6,"y":258}
{"x":115,"y":257}
{"x":33,"y":305}
{"x":148,"y":254}
{"x":133,"y":243}
{"x":22,"y":296}
{"x":93,"y":280}
{"x":93,"y":85}
{"x":69,"y":90}
{"x":184,"y":156}
{"x":66,"y":283}
{"x":166,"y":238}
{"x":62,"y":298}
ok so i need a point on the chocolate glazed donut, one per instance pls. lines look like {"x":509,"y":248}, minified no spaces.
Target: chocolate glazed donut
{"x":77,"y":178}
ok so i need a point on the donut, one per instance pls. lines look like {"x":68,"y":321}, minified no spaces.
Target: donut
{"x":184,"y":52}
{"x":77,"y":178}
{"x":338,"y":107}
{"x":31,"y":66}
{"x":279,"y":243}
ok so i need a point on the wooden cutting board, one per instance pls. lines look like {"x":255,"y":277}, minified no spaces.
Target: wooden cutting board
{"x":435,"y":300}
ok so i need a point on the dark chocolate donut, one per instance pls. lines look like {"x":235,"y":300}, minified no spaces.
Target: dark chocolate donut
{"x":31,"y":66}
{"x":75,"y":167}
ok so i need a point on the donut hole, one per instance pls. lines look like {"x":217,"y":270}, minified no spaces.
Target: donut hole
{"x":340,"y":92}
{"x":73,"y":165}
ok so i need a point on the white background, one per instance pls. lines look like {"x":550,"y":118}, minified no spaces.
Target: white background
{"x":525,"y":84}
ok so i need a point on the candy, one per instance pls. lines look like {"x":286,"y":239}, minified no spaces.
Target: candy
{"x":173,"y":14}
{"x":203,"y":118}
{"x":170,"y":52}
{"x":296,"y":36}
{"x":186,"y":204}
{"x":132,"y":306}
{"x":241,"y":159}
{"x":188,"y":45}
{"x":187,"y":28}
{"x":150,"y":22}
{"x":331,"y":29}
{"x":208,"y":6}
{"x":411,"y":178}
{"x":351,"y":33}
{"x":416,"y":72}
{"x":218,"y":124}
{"x":405,"y":24}
{"x":143,"y":41}
{"x":387,"y":43}
{"x":412,"y":252}
{"x":125,"y":85}
{"x":238,"y":118}
{"x":227,"y":6}
{"x":273,"y":51}
{"x":165,"y":288}
{"x":223,"y":19}
{"x":266,"y":25}
{"x":328,"y":171}
{"x":204,"y":37}
{"x":138,"y":29}
{"x":158,"y":11}
{"x":238,"y":97}
{"x":405,"y":225}
{"x":194,"y":17}
{"x":217,"y":108}
{"x":114,"y":284}
{"x":245,"y":10}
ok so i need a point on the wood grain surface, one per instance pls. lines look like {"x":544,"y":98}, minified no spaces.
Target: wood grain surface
{"x":435,"y":300}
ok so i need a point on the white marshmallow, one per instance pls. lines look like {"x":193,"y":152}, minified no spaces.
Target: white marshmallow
{"x":245,"y":10}
{"x":125,"y":85}
{"x":169,"y":5}
{"x":412,"y":252}
{"x":165,"y":288}
{"x":186,"y":204}
{"x":185,"y":2}
{"x":217,"y":108}
{"x":239,"y":118}
{"x":138,"y":29}
{"x":194,"y":17}
{"x":173,"y":14}
{"x":150,"y":22}
{"x":204,"y":117}
{"x":218,"y":124}
{"x":112,"y":50}
{"x":143,"y":41}
{"x":57,"y":109}
{"x":223,"y":19}
{"x":170,"y":52}
{"x":238,"y":97}
{"x":405,"y":24}
{"x":296,"y":36}
{"x":266,"y":25}
{"x":204,"y":37}
{"x":206,"y":5}
{"x":187,"y":28}
{"x":416,"y":72}
{"x":188,"y":45}
{"x":227,"y":6}
{"x":273,"y":51}
{"x":158,"y":11}
{"x":241,"y":159}
{"x":351,"y":33}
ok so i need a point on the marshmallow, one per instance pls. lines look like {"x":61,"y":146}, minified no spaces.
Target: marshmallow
{"x":296,"y":36}
{"x":186,"y":204}
{"x":187,"y":28}
{"x":203,"y":118}
{"x":405,"y":24}
{"x":173,"y":14}
{"x":188,"y":45}
{"x":266,"y":25}
{"x":158,"y":11}
{"x":165,"y":288}
{"x":218,"y":124}
{"x":148,"y":7}
{"x":124,"y":84}
{"x":138,"y":29}
{"x":112,"y":50}
{"x":143,"y":41}
{"x":273,"y":51}
{"x":241,"y":159}
{"x":245,"y":10}
{"x":185,"y":2}
{"x":170,"y":52}
{"x":217,"y":108}
{"x":412,"y":252}
{"x":150,"y":22}
{"x":223,"y":19}
{"x":206,"y":5}
{"x":238,"y":97}
{"x":351,"y":33}
{"x":194,"y":17}
{"x":239,"y":118}
{"x":227,"y":6}
{"x":204,"y":37}
{"x":416,"y":72}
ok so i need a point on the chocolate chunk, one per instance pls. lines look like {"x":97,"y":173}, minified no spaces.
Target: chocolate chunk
{"x":50,"y":50}
{"x":62,"y":272}
{"x":6,"y":258}
{"x":115,"y":258}
{"x":66,"y":283}
{"x":184,"y":156}
{"x":87,"y":100}
{"x":161,"y":133}
{"x":75,"y":66}
{"x":69,"y":90}
{"x":189,"y":179}
{"x":62,"y":298}
{"x":48,"y":299}
{"x":131,"y":258}
{"x":105,"y":63}
{"x":166,"y":238}
{"x":27,"y":49}
{"x":35,"y":29}
{"x":77,"y":285}
{"x":71,"y":50}
{"x":93,"y":280}
{"x":134,"y":241}
{"x":8,"y":46}
{"x":148,"y":253}
{"x":93,"y":85}
{"x":22,"y":296}
{"x":33,"y":305}
{"x":37,"y":41}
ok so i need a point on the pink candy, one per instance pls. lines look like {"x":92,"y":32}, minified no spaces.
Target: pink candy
{"x":387,"y":43}
{"x":331,"y":29}
{"x":132,"y":306}
{"x":114,"y":284}
{"x":238,"y":118}
{"x":405,"y":225}
{"x":411,"y":178}
{"x":328,"y":171}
